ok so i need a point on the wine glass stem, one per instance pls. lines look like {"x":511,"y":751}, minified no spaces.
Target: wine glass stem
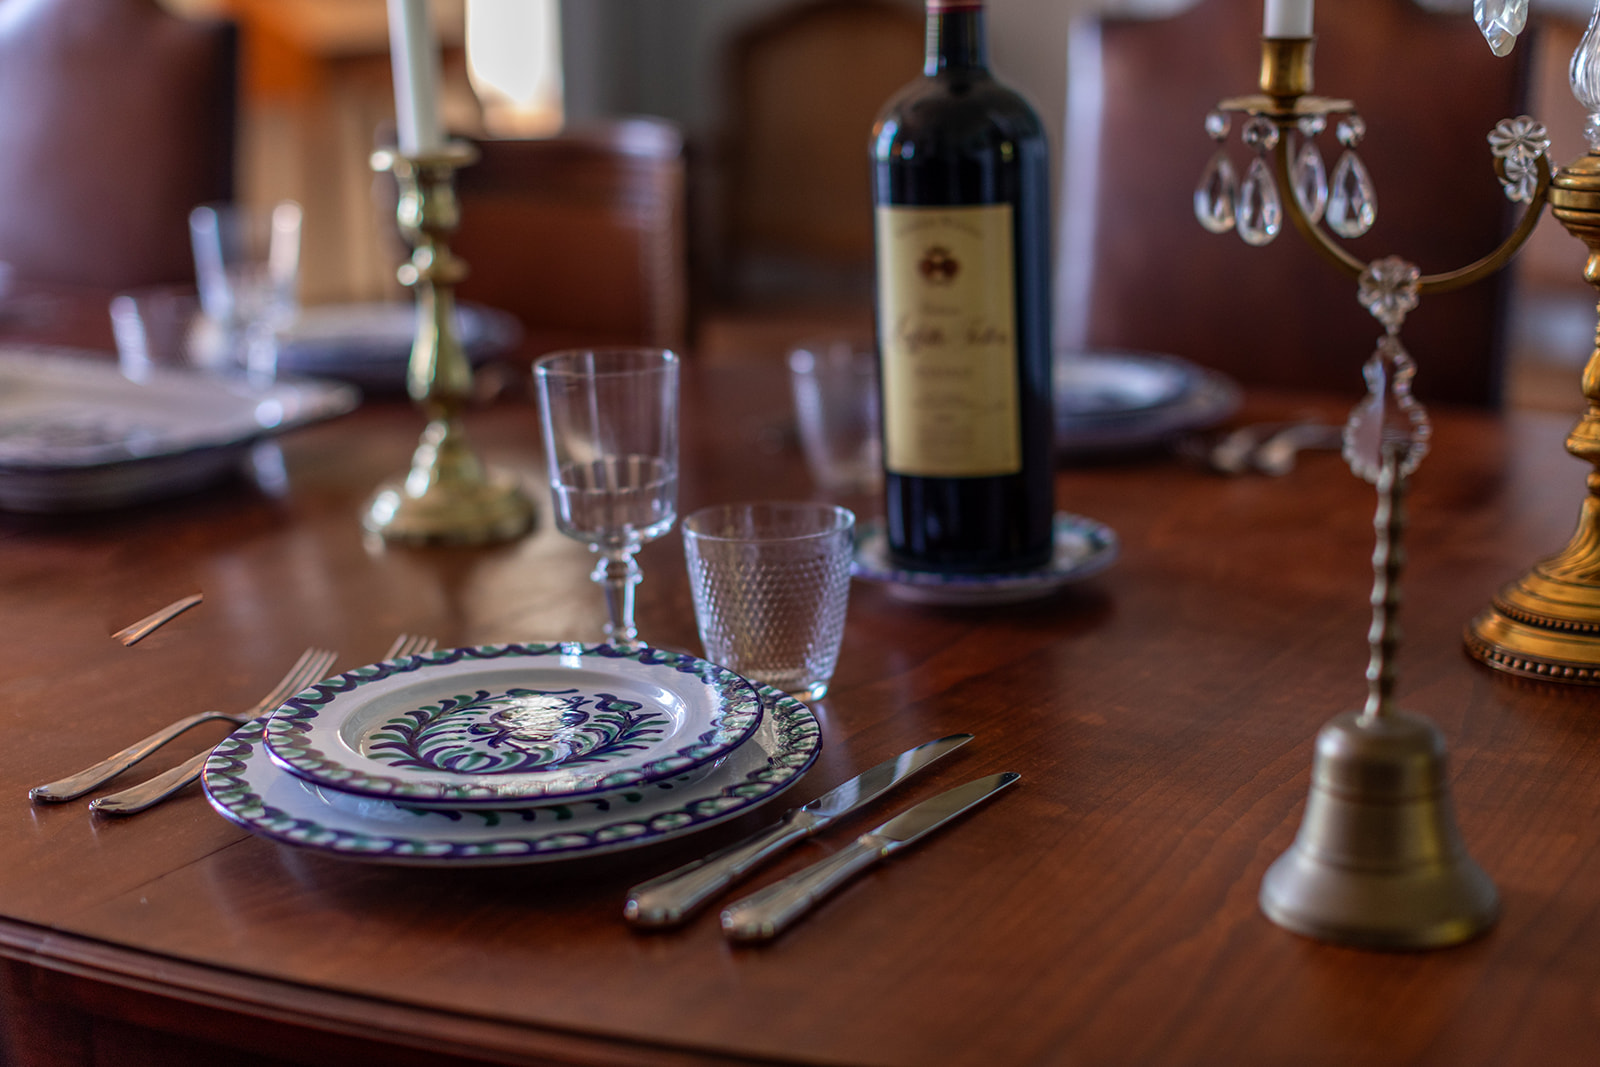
{"x":618,"y":572}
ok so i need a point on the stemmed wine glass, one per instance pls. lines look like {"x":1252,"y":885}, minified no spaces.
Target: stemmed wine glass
{"x":611,"y":439}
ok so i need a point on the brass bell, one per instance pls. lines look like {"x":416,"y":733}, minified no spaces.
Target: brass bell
{"x":1378,"y":861}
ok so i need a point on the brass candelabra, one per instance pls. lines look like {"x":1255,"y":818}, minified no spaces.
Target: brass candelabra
{"x":1546,"y":623}
{"x":1378,"y":860}
{"x":448,"y":496}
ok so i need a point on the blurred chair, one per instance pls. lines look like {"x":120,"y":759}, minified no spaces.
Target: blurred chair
{"x":580,"y":235}
{"x":1138,"y":272}
{"x":804,"y":86}
{"x":116,"y":118}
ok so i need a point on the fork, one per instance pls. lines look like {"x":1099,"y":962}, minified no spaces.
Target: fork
{"x":149,"y":793}
{"x":308,"y":668}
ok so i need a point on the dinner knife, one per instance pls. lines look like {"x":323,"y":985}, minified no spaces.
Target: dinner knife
{"x":678,"y":894}
{"x":765,"y":914}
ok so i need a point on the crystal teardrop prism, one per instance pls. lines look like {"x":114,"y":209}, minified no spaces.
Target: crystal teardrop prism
{"x":1584,"y":74}
{"x":1500,"y":21}
{"x":1215,"y":196}
{"x":1352,"y":201}
{"x":1388,"y":419}
{"x":1260,"y":208}
{"x":1310,"y":177}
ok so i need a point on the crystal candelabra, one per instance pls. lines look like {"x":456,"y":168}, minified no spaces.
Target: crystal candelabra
{"x":1378,"y":860}
{"x":448,"y":496}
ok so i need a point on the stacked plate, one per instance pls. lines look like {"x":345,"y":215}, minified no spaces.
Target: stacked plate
{"x":75,"y":435}
{"x":1108,"y":402}
{"x":502,"y":754}
{"x":370,"y":344}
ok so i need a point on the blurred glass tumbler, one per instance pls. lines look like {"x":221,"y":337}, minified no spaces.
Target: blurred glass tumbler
{"x":771,"y":582}
{"x":247,"y":265}
{"x":156,"y":327}
{"x":835,"y":385}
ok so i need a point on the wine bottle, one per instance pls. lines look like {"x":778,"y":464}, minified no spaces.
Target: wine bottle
{"x":961,"y":193}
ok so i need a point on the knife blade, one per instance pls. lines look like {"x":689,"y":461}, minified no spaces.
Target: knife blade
{"x":765,"y":914}
{"x":678,"y":894}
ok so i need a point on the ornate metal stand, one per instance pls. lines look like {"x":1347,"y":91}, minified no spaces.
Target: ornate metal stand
{"x":448,"y":496}
{"x":1546,"y":624}
{"x":1378,"y":860}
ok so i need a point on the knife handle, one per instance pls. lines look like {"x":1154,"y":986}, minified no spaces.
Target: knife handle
{"x":151,"y":792}
{"x":765,"y":914}
{"x":676,"y":895}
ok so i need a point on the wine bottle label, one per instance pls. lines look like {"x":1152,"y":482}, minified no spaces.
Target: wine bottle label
{"x":947,"y":325}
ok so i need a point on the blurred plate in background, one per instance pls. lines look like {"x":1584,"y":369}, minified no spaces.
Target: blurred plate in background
{"x":370,"y":344}
{"x":1108,"y":402}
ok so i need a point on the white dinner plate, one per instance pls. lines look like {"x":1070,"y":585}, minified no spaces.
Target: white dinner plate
{"x":75,"y":435}
{"x":1083,"y":547}
{"x":498,"y":726}
{"x":248,"y":788}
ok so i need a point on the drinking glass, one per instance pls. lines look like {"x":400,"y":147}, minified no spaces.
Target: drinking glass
{"x":611,"y":439}
{"x":247,"y":265}
{"x":156,"y":327}
{"x":835,"y":384}
{"x":771,"y":583}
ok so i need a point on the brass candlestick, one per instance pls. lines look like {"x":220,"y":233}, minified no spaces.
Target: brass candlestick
{"x":1546,"y":624}
{"x":448,"y":496}
{"x":1378,"y":860}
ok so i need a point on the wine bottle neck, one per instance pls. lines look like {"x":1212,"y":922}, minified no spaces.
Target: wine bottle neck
{"x":955,"y":36}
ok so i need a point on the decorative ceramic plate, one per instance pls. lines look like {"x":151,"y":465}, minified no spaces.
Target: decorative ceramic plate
{"x":1106,"y":385}
{"x":370,"y":344}
{"x":1083,"y":547}
{"x":502,"y":726}
{"x":253,"y":791}
{"x":1109,"y":402}
{"x":76,"y":435}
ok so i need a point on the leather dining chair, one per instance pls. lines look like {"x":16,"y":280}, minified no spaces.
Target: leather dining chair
{"x":116,"y":118}
{"x":581,"y":235}
{"x":1137,"y":271}
{"x":804,"y":86}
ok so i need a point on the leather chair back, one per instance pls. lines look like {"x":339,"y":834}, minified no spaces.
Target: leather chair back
{"x":581,"y":235}
{"x":116,"y":118}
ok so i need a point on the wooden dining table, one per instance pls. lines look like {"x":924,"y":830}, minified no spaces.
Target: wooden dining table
{"x":1161,"y":715}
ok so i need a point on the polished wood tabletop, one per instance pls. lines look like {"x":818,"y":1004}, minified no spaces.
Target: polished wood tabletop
{"x":1102,"y":911}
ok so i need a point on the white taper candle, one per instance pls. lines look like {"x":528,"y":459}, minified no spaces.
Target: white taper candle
{"x":415,"y":56}
{"x":1286,"y":18}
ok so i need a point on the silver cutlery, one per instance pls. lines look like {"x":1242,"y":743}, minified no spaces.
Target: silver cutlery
{"x":147,"y":794}
{"x":407,"y":645}
{"x":1267,"y":448}
{"x":311,"y":665}
{"x":676,"y":895}
{"x":765,"y":914}
{"x":132,"y":635}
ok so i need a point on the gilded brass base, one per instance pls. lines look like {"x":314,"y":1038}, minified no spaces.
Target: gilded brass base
{"x":1546,"y":624}
{"x":448,"y":497}
{"x":1378,"y":861}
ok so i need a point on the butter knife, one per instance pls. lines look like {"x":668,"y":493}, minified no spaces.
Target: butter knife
{"x":676,"y":895}
{"x":765,"y":914}
{"x":132,"y":635}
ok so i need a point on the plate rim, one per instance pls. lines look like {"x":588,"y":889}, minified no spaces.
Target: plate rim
{"x":290,"y":726}
{"x":796,"y":743}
